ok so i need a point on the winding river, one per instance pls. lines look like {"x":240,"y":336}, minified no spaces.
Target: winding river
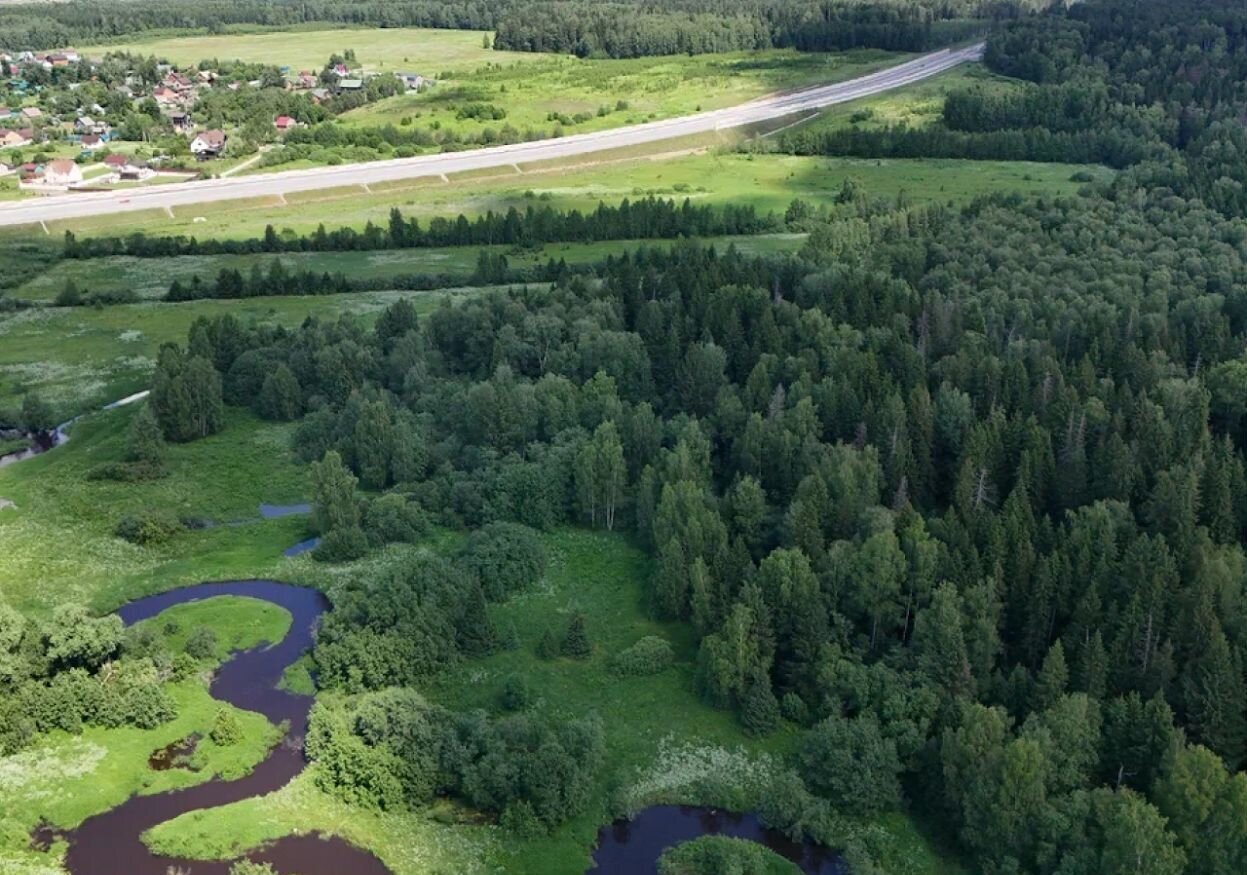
{"x":111,"y":843}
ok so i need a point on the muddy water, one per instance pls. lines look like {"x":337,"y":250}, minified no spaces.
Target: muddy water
{"x":110,"y":843}
{"x":632,"y":847}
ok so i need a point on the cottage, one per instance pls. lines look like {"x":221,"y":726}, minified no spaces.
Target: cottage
{"x":320,"y":95}
{"x":208,"y":144}
{"x":180,"y":120}
{"x":90,"y":143}
{"x":284,"y":123}
{"x":32,"y":112}
{"x":116,"y":161}
{"x":5,"y":113}
{"x":341,"y":71}
{"x":176,"y":82}
{"x":350,"y":84}
{"x":413,"y":81}
{"x":13,"y":139}
{"x":30,"y":171}
{"x":166,"y":96}
{"x":306,"y":80}
{"x":62,"y":171}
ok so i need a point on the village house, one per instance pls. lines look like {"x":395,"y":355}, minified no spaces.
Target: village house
{"x":32,"y":112}
{"x":320,"y":95}
{"x":177,"y":82}
{"x":166,"y":96}
{"x":208,"y":144}
{"x":5,"y":113}
{"x":306,"y":80}
{"x":90,"y":143}
{"x":13,"y":139}
{"x":341,"y":70}
{"x":284,"y":123}
{"x":62,"y":171}
{"x":116,"y":161}
{"x":86,"y":125}
{"x":350,"y":84}
{"x":180,"y":120}
{"x":413,"y":81}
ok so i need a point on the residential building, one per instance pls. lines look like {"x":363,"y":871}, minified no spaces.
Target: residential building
{"x":208,"y":144}
{"x":62,"y":171}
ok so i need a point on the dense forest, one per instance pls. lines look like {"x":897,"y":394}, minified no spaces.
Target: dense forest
{"x":964,"y":500}
{"x":620,"y":28}
{"x":1158,"y":85}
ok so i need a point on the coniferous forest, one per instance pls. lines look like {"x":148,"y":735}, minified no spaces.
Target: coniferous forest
{"x":956,"y":494}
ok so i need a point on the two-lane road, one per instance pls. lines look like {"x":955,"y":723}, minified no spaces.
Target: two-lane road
{"x":71,"y":206}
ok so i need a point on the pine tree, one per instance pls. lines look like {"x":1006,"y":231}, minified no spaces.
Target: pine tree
{"x":1092,"y":675}
{"x":1052,"y":681}
{"x":576,"y":640}
{"x":940,"y":645}
{"x":759,"y":710}
{"x":1216,"y":707}
{"x":476,"y":634}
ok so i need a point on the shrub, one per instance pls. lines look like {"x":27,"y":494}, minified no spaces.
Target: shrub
{"x":148,"y":529}
{"x":341,"y":545}
{"x":202,"y":643}
{"x":226,"y":730}
{"x":851,"y":764}
{"x":720,"y":855}
{"x":392,"y":519}
{"x":648,"y":656}
{"x":516,"y":695}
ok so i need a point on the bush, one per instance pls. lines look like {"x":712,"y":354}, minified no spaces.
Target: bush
{"x":516,"y":694}
{"x":226,"y":730}
{"x":720,"y":855}
{"x":648,"y":656}
{"x":202,"y":643}
{"x":341,"y":545}
{"x":505,"y":557}
{"x":148,"y":529}
{"x":392,"y":519}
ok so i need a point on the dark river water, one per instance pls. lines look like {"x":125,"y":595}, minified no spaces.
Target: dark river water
{"x":632,"y":847}
{"x":110,"y":843}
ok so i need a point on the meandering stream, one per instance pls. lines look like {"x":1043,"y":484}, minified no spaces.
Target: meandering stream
{"x":111,"y":843}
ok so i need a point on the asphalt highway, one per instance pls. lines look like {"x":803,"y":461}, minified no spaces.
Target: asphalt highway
{"x":181,"y":194}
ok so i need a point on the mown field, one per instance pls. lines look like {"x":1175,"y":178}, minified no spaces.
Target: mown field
{"x":417,"y":50}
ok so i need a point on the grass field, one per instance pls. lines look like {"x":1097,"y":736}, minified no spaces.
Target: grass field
{"x":614,"y":92}
{"x":65,"y":778}
{"x":150,"y":277}
{"x":83,"y":357}
{"x":915,"y":106}
{"x":768,"y":182}
{"x":428,"y":52}
{"x":662,"y":743}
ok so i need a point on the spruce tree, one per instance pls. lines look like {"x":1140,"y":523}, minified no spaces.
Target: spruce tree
{"x":1052,"y":681}
{"x":144,"y":442}
{"x":759,"y":710}
{"x":280,"y":397}
{"x":576,"y":640}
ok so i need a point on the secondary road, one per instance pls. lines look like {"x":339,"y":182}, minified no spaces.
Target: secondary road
{"x":72,"y":206}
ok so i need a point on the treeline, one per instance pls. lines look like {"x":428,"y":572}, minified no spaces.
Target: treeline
{"x":629,"y":30}
{"x":1152,"y":86}
{"x":966,"y":513}
{"x":642,"y":219}
{"x":74,"y":671}
{"x":45,"y":26}
{"x":1111,"y":146}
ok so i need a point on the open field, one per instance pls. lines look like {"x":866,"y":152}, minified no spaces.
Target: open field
{"x":767,"y":109}
{"x":768,"y":182}
{"x":608,"y":93}
{"x":428,"y":52}
{"x":916,"y":106}
{"x":150,"y":277}
{"x":83,"y":357}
